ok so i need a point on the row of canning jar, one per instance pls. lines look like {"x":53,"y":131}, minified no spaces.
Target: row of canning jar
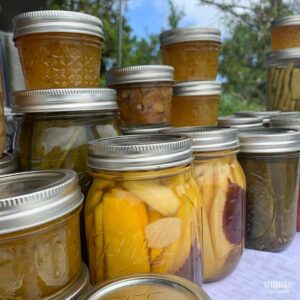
{"x":150,"y":210}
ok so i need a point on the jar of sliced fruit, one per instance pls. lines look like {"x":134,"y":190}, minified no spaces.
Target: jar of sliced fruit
{"x":142,"y":210}
{"x":222,"y":186}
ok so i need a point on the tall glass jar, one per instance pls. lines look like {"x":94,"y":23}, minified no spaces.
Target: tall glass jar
{"x":192,"y":51}
{"x":222,"y":185}
{"x":39,"y":233}
{"x":270,"y":159}
{"x":58,"y":123}
{"x":142,"y":211}
{"x":59,"y":49}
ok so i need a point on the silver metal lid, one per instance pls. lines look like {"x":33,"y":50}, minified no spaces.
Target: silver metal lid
{"x":269,"y":140}
{"x":286,"y":21}
{"x":209,"y":138}
{"x":147,"y":286}
{"x":266,"y":115}
{"x":188,"y":34}
{"x":140,"y":152}
{"x":282,"y":57}
{"x":138,"y":74}
{"x":240,"y":122}
{"x":56,"y":21}
{"x":56,"y":100}
{"x":8,"y":163}
{"x":289,"y":122}
{"x":33,"y":198}
{"x":76,"y":289}
{"x":197,"y":88}
{"x":147,"y":129}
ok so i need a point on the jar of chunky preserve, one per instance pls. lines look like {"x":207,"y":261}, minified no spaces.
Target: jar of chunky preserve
{"x":144,"y":94}
{"x":265,"y":115}
{"x":59,"y":49}
{"x":283,"y":75}
{"x":240,"y":122}
{"x":147,"y":286}
{"x":285,"y":32}
{"x":290,"y":122}
{"x":57,"y":124}
{"x":270,"y":159}
{"x":192,"y":51}
{"x":39,"y":233}
{"x":8,"y":163}
{"x":142,"y":210}
{"x":195,"y":103}
{"x":222,"y":186}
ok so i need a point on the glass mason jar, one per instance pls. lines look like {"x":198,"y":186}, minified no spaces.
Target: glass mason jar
{"x":8,"y":163}
{"x":285,"y":32}
{"x":195,"y":103}
{"x":59,"y":49}
{"x":289,"y":122}
{"x":222,"y":185}
{"x":144,"y":94}
{"x":58,"y":123}
{"x":142,"y":211}
{"x":192,"y":51}
{"x":39,"y":233}
{"x":270,"y":159}
{"x":283,"y":91}
{"x":265,"y":115}
{"x":240,"y":122}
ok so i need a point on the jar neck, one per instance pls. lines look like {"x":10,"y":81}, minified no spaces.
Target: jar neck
{"x":215,"y":154}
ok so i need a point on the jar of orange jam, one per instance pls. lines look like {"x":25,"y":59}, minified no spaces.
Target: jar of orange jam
{"x":39,"y":233}
{"x":285,"y":32}
{"x":59,"y":48}
{"x":195,"y":103}
{"x":192,"y":51}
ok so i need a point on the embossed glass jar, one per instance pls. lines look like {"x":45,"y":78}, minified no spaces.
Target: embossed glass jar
{"x":59,"y":49}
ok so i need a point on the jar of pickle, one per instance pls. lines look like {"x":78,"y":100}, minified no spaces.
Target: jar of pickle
{"x":192,"y":51}
{"x":270,"y":159}
{"x":285,"y":32}
{"x":283,"y":91}
{"x":222,"y":186}
{"x":8,"y":163}
{"x":195,"y":103}
{"x":265,"y":115}
{"x":289,"y":122}
{"x":240,"y":122}
{"x":57,"y":124}
{"x":39,"y":233}
{"x":144,"y":94}
{"x":142,"y":210}
{"x":147,"y":129}
{"x":59,"y":49}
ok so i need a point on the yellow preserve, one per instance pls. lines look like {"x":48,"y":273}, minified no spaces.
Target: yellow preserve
{"x":141,"y":218}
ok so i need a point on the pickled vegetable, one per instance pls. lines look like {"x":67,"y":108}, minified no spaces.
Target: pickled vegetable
{"x":284,"y":37}
{"x":135,"y":226}
{"x":195,"y":110}
{"x":271,"y":200}
{"x":195,"y":60}
{"x":222,"y":187}
{"x":37,"y":263}
{"x":60,"y":60}
{"x":145,"y":103}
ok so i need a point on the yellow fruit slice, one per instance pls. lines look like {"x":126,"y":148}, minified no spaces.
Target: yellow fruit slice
{"x":124,"y":237}
{"x":156,"y":196}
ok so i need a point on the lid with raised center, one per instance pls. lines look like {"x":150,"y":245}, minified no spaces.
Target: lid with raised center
{"x":189,"y":34}
{"x":269,"y":140}
{"x":56,"y":100}
{"x":209,"y":138}
{"x":197,"y":88}
{"x":282,"y":57}
{"x":286,"y":21}
{"x":289,"y":122}
{"x":147,"y":287}
{"x":149,"y":129}
{"x":240,"y":122}
{"x":136,"y":74}
{"x":56,"y":21}
{"x":140,"y":152}
{"x":33,"y":198}
{"x":8,"y":163}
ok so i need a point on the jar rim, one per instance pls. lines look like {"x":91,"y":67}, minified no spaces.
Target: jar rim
{"x":197,"y":88}
{"x":281,"y":57}
{"x":8,"y":163}
{"x":240,"y":121}
{"x":288,"y":122}
{"x":147,"y":129}
{"x":286,"y":21}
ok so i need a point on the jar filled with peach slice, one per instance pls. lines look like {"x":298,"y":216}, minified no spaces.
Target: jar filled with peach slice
{"x":141,"y":213}
{"x":222,"y":186}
